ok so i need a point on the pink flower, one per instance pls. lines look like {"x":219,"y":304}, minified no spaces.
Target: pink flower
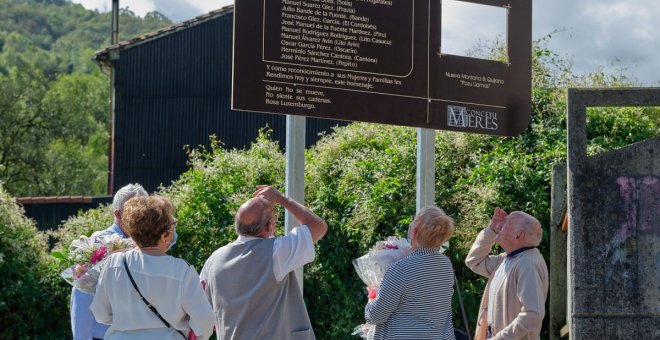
{"x":79,"y":270}
{"x":373,"y":293}
{"x":98,"y":255}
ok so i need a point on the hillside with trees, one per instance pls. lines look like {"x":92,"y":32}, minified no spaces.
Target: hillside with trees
{"x":54,"y":100}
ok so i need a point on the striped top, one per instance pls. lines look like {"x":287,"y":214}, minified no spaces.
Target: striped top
{"x":414,"y":299}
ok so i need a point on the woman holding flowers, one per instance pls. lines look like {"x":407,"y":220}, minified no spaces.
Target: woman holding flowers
{"x":145,"y":293}
{"x":414,"y":299}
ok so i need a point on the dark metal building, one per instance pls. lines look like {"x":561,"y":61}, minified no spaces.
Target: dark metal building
{"x":172,"y":88}
{"x":49,"y":212}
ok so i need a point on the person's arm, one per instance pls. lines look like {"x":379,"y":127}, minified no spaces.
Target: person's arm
{"x":82,"y":320}
{"x":204,"y":279}
{"x":196,"y":304}
{"x":292,"y":251}
{"x":100,"y":305}
{"x":478,"y":259}
{"x":530,"y":280}
{"x":388,"y":298}
{"x":317,"y":226}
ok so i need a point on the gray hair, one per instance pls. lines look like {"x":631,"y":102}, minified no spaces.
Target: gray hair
{"x":126,"y":193}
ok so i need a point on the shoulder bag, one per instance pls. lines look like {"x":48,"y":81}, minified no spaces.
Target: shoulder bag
{"x":149,"y":305}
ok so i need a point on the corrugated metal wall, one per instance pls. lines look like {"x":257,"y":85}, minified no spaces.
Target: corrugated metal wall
{"x":48,"y":214}
{"x":175,"y":90}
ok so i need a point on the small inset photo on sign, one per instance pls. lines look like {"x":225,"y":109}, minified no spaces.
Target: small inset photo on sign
{"x":473,"y":30}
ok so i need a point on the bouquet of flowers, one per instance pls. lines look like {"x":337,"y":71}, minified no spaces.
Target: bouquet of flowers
{"x":371,"y":269}
{"x":88,"y":255}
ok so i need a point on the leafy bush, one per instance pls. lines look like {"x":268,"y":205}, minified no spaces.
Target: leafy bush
{"x":208,"y":195}
{"x":361,"y":180}
{"x":33,"y":296}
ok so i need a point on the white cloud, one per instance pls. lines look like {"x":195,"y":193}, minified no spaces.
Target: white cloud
{"x":139,"y":7}
{"x":607,"y":34}
{"x":464,"y":25}
{"x":210,"y":5}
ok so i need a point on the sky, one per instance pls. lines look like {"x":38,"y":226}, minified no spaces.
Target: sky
{"x":608,"y":35}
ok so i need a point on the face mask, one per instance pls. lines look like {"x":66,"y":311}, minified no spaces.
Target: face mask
{"x":173,"y":240}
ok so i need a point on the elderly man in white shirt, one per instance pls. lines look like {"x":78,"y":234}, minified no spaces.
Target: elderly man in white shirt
{"x":251,"y":282}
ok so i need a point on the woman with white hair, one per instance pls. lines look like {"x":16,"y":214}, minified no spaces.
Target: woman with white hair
{"x":414,"y":299}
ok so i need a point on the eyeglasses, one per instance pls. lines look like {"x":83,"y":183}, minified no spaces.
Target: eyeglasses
{"x":173,"y":224}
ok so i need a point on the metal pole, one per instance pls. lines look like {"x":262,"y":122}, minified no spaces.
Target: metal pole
{"x":425,"y":190}
{"x":115,"y":22}
{"x":295,"y":171}
{"x":114,"y":39}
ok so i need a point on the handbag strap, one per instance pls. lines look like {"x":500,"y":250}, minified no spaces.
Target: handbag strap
{"x":149,"y":305}
{"x":460,"y":302}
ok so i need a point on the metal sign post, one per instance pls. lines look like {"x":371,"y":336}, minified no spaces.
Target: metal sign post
{"x":425,"y":191}
{"x":295,"y":171}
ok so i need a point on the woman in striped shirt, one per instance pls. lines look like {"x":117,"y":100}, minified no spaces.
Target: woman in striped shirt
{"x":414,"y":299}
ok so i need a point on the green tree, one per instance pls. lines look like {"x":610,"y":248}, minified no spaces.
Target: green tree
{"x":33,"y":297}
{"x":24,"y":125}
{"x":55,"y":101}
{"x":54,"y":138}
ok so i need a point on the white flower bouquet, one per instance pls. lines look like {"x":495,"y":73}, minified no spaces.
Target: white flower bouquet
{"x":87,"y":255}
{"x":371,"y":269}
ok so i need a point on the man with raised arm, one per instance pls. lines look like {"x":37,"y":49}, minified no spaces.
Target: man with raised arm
{"x":513,"y":304}
{"x":251,"y":282}
{"x":83,"y":324}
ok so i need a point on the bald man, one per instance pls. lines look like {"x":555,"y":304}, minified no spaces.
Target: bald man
{"x":251,"y":282}
{"x":513,"y":304}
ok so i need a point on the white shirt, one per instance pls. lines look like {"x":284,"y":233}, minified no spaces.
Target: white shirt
{"x":498,"y":277}
{"x":168,"y":283}
{"x":290,"y":252}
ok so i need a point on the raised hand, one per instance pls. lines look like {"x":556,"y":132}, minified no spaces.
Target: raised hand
{"x":498,"y":220}
{"x":269,"y":193}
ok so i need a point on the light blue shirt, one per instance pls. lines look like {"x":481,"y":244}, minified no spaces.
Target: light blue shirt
{"x":83,"y":324}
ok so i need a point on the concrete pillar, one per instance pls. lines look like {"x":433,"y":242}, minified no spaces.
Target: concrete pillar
{"x":558,"y":240}
{"x":614,"y":226}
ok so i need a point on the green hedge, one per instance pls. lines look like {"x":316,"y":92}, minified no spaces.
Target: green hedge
{"x":33,"y":297}
{"x":219,"y":181}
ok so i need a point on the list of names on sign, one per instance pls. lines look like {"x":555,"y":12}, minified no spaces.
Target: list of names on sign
{"x":335,"y":37}
{"x":326,"y":33}
{"x":368,"y":60}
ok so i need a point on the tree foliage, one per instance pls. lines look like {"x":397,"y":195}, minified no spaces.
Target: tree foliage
{"x":54,"y":101}
{"x":32,"y":295}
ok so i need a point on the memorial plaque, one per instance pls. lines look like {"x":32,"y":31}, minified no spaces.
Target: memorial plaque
{"x":377,"y":61}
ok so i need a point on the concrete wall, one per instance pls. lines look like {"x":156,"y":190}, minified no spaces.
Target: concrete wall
{"x":558,"y":240}
{"x":614,"y":233}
